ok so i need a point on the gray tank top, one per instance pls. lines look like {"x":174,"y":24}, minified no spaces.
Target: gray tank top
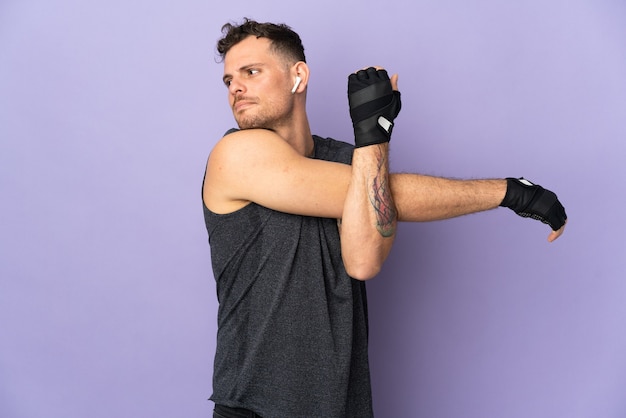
{"x":292,"y":325}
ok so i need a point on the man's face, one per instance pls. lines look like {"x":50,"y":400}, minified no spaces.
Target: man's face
{"x":258,"y":85}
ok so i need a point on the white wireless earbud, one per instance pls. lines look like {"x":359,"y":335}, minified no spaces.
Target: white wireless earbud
{"x":296,"y":84}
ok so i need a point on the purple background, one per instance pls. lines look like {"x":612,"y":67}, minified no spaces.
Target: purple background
{"x":108,"y":110}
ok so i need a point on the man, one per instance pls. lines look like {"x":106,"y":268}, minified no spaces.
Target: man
{"x":296,"y":224}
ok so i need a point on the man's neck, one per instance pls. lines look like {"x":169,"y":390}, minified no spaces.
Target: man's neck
{"x":300,"y":138}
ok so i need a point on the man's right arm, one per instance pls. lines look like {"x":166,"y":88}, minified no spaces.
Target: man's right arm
{"x":259,"y":166}
{"x":422,"y":198}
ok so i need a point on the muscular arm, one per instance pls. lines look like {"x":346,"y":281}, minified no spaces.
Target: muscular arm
{"x":259,"y":166}
{"x":369,"y":214}
{"x":421,"y":198}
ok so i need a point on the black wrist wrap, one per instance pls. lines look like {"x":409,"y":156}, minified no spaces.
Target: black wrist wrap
{"x":373,"y":106}
{"x":533,"y":201}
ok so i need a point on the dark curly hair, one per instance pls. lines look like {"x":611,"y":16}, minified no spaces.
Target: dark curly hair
{"x":284,"y":40}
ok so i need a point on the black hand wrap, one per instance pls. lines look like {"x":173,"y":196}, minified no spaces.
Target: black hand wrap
{"x":373,"y":106}
{"x":533,"y":201}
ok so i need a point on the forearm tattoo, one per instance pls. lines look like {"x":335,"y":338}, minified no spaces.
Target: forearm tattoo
{"x":381,"y":198}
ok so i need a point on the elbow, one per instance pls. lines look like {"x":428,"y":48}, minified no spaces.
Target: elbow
{"x":362,"y":270}
{"x":366,"y":262}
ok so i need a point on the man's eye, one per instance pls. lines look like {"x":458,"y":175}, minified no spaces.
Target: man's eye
{"x":252,"y":71}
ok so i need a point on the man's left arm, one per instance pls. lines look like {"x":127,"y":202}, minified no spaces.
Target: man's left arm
{"x":368,"y":224}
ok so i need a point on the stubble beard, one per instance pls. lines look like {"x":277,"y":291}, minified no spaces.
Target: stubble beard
{"x":271,"y":116}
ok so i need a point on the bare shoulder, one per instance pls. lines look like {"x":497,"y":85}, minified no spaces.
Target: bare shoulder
{"x":247,"y":154}
{"x":259,"y":166}
{"x":246,"y":146}
{"x":239,"y":162}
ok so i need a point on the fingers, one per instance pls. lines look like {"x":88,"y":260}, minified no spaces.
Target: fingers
{"x":394,"y":82}
{"x":376,"y":67}
{"x":555,"y":234}
{"x":394,"y":78}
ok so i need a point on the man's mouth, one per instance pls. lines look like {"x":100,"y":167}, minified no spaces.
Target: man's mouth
{"x":242,"y":103}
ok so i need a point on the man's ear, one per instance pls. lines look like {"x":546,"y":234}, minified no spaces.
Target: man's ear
{"x":300,"y":72}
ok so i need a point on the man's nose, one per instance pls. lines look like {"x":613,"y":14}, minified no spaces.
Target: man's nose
{"x":236,"y":87}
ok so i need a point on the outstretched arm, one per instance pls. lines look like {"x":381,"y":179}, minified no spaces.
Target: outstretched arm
{"x":259,"y":166}
{"x":421,"y":198}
